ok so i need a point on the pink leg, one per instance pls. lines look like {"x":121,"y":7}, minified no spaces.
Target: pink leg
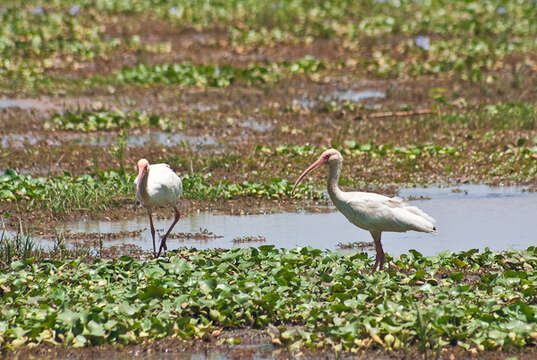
{"x":163,"y":241}
{"x":152,"y":231}
{"x":379,"y":259}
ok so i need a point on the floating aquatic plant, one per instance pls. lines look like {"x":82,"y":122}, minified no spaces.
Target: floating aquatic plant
{"x":303,"y":297}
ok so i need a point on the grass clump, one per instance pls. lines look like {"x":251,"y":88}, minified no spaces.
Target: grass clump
{"x":353,"y":148}
{"x":18,"y":246}
{"x":89,"y":121}
{"x":499,"y":116}
{"x":306,"y":297}
{"x":104,"y":189}
{"x":66,"y":193}
{"x":196,"y":187}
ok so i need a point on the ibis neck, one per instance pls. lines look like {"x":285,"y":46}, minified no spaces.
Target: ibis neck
{"x":333,"y":179}
{"x":142,"y":186}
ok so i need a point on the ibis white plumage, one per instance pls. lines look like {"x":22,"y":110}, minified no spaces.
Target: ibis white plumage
{"x":369,"y":211}
{"x":158,"y":185}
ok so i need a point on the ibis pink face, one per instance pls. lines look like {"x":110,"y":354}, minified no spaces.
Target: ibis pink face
{"x":326,"y":157}
{"x":143,"y":168}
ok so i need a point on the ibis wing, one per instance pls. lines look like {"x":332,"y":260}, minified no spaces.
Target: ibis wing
{"x":383,"y":213}
{"x":165,"y":182}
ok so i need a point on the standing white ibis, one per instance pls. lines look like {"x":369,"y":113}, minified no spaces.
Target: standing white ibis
{"x":158,"y":185}
{"x":369,"y":211}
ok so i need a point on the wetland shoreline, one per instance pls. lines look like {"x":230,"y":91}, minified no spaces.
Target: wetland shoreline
{"x":237,"y":97}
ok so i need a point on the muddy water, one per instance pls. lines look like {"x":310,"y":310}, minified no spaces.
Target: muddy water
{"x":471,"y":216}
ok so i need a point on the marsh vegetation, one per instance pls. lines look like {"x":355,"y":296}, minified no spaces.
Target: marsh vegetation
{"x":238,"y":96}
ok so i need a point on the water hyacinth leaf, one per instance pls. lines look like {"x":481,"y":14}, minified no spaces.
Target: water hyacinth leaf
{"x":127,"y":309}
{"x":419,"y":275}
{"x":152,"y":291}
{"x":80,"y":341}
{"x":208,"y":285}
{"x":336,"y":303}
{"x":7,"y":195}
{"x":456,"y":276}
{"x":527,"y":310}
{"x":68,"y":318}
{"x":17,"y":265}
{"x":95,"y":329}
{"x":3,"y":327}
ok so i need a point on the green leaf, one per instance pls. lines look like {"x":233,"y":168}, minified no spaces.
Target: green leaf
{"x":17,"y":265}
{"x":127,"y":309}
{"x":79,"y":341}
{"x":68,"y":317}
{"x":95,"y":329}
{"x":456,"y":276}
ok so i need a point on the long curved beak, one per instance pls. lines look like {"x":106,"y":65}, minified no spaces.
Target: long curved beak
{"x":142,"y":172}
{"x":312,"y":167}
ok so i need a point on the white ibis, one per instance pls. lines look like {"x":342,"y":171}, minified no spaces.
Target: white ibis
{"x":369,"y":211}
{"x":158,"y":185}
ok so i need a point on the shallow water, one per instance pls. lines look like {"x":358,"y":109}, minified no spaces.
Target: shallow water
{"x":340,"y":95}
{"x":305,"y":102}
{"x":26,"y":104}
{"x":19,"y":141}
{"x":354,"y":95}
{"x":469,"y":216}
{"x":153,"y":137}
{"x":256,"y":125}
{"x":201,"y":107}
{"x":252,"y":352}
{"x":133,"y":140}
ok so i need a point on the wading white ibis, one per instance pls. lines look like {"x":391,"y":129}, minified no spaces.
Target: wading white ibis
{"x":158,"y":185}
{"x":372,"y":212}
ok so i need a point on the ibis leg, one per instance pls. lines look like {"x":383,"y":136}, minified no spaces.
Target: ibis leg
{"x":379,"y":259}
{"x":163,"y":241}
{"x":152,"y":231}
